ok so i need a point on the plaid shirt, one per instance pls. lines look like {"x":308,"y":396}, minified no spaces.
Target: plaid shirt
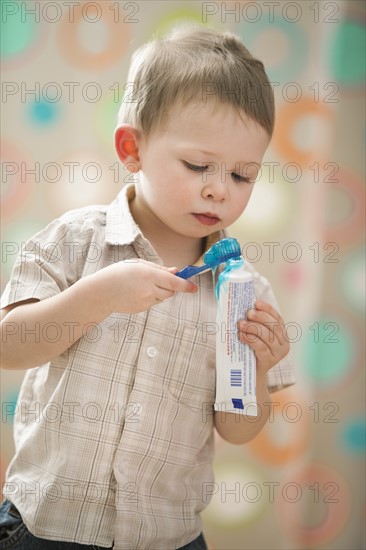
{"x":114,"y":438}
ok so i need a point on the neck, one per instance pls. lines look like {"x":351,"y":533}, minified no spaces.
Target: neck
{"x":176,"y":252}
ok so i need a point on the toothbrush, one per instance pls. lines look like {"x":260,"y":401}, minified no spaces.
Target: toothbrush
{"x":218,"y":253}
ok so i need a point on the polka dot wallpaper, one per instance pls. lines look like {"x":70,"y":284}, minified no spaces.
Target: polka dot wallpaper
{"x":300,"y":483}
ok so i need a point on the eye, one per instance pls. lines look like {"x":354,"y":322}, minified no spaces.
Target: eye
{"x":194,"y":167}
{"x":240,"y":179}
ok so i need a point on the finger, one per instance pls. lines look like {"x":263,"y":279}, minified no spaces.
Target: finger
{"x":262,"y":340}
{"x":266,"y":313}
{"x":268,"y":308}
{"x":275,"y":327}
{"x":168,"y":281}
{"x":257,"y":335}
{"x":260,"y":347}
{"x":165,"y":278}
{"x":162,"y":294}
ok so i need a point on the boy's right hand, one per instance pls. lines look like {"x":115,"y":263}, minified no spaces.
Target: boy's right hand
{"x":132,"y":286}
{"x":125,"y":287}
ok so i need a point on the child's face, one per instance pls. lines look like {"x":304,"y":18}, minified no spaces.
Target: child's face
{"x":197,"y":175}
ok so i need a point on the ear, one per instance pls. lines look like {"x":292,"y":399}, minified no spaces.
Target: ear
{"x":126,"y":139}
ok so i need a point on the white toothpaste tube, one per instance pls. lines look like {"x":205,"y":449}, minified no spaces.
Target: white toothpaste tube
{"x":235,"y":361}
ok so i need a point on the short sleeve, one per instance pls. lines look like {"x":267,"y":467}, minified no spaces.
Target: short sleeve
{"x":281,"y":375}
{"x":46,"y":265}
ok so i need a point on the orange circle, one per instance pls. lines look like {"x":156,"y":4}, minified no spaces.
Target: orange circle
{"x":288,"y":115}
{"x":119,"y":34}
{"x":332,"y":490}
{"x":266,"y":448}
{"x":349,"y":230}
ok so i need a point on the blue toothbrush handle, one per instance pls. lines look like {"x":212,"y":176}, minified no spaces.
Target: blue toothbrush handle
{"x":191,"y":270}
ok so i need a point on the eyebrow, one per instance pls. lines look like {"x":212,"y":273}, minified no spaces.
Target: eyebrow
{"x":192,"y":148}
{"x":209,"y":153}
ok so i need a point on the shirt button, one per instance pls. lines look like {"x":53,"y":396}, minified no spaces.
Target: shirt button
{"x":151,"y":351}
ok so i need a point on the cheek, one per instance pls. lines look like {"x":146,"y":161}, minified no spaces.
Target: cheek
{"x":239,"y":201}
{"x":242,"y":196}
{"x":179,"y":187}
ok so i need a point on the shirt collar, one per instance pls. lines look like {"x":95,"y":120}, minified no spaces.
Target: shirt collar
{"x":122,"y":229}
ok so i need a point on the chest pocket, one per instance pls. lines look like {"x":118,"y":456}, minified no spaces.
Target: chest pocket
{"x":190,"y":377}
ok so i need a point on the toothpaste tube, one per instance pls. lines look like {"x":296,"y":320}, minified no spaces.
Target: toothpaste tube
{"x":235,"y":361}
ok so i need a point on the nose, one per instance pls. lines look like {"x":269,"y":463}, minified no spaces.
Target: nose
{"x":215,"y":188}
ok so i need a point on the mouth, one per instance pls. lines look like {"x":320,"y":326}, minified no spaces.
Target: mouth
{"x":207,"y":218}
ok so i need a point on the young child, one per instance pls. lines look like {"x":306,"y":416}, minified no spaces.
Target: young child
{"x":115,"y":418}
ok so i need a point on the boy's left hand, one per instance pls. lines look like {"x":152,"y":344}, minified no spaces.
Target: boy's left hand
{"x":265,"y":332}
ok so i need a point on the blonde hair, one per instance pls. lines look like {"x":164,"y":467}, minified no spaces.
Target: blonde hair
{"x":195,"y":64}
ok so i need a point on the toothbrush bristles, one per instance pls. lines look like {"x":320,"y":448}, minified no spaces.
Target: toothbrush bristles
{"x":222,"y":251}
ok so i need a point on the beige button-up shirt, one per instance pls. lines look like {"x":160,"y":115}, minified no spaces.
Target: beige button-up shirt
{"x":114,"y":438}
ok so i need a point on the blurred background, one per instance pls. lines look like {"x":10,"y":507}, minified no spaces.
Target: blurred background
{"x":301,"y":483}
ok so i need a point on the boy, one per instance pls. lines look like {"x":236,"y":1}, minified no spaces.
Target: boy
{"x":121,"y":447}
